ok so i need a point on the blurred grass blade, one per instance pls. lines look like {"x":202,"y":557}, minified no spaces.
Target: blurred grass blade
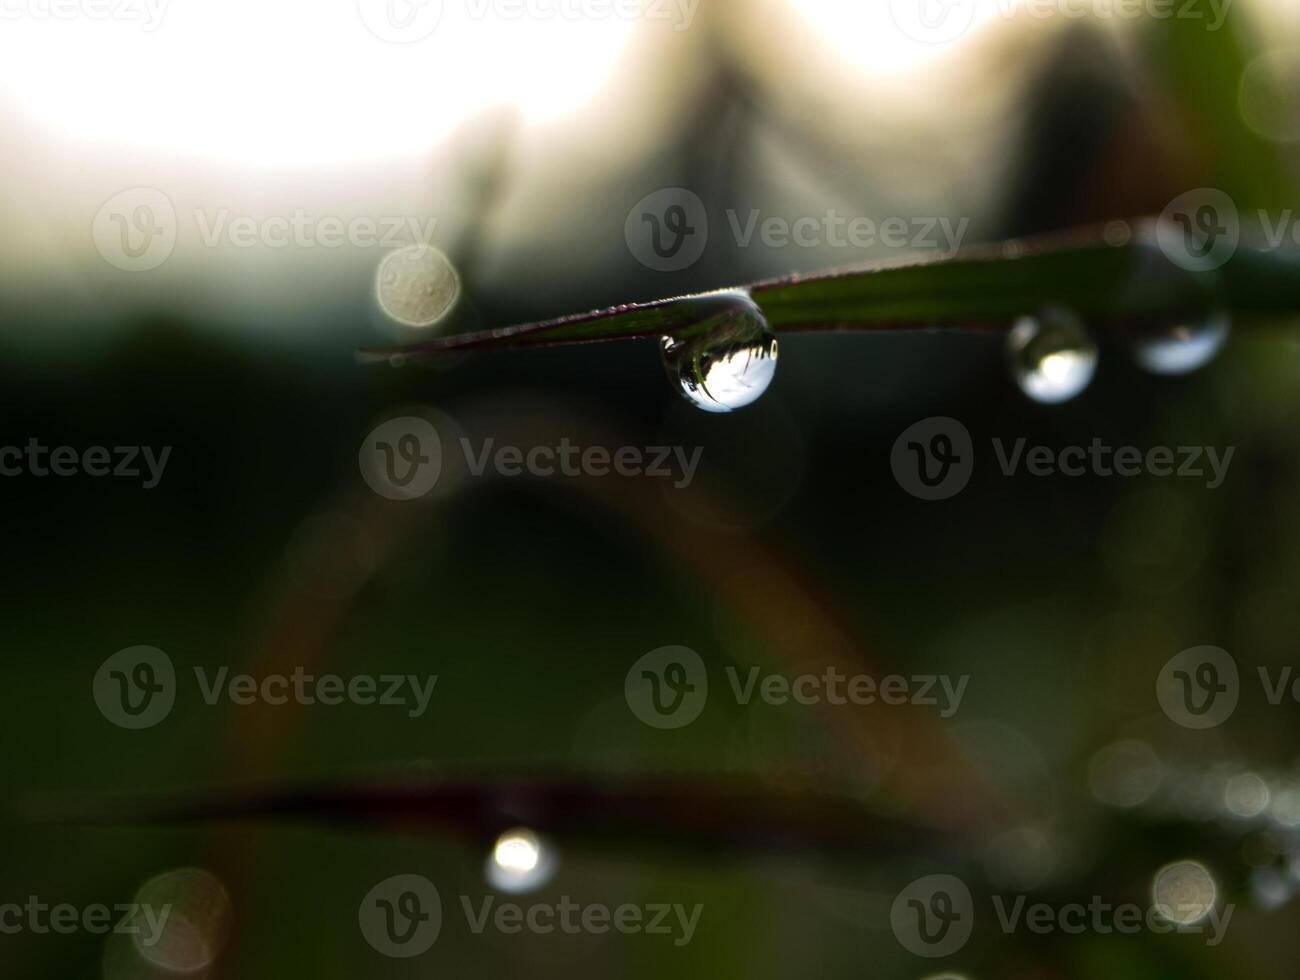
{"x":703,"y":814}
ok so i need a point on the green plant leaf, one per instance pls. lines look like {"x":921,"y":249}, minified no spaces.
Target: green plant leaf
{"x":1117,"y":277}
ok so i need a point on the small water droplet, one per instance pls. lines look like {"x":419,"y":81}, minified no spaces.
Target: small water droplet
{"x":727,"y":360}
{"x":1184,"y":347}
{"x":1053,"y":357}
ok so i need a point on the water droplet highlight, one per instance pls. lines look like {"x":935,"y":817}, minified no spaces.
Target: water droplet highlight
{"x":1053,"y":357}
{"x":1184,"y":347}
{"x":520,"y":862}
{"x":727,"y":359}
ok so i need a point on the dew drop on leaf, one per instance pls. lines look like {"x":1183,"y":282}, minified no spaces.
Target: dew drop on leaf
{"x":1183,"y":347}
{"x":727,"y":360}
{"x":1053,"y":357}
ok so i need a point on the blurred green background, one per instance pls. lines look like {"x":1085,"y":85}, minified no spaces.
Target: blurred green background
{"x":262,"y":549}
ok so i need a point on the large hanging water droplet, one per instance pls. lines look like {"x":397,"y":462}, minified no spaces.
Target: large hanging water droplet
{"x":1053,"y":357}
{"x":1183,"y":347}
{"x":726,"y":360}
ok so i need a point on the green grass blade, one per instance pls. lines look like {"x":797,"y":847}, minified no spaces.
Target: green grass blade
{"x":1115,"y":276}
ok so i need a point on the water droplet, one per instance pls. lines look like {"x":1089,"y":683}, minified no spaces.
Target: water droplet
{"x":1184,"y":347}
{"x":417,"y":285}
{"x":727,"y":359}
{"x":520,"y":862}
{"x":1053,"y":357}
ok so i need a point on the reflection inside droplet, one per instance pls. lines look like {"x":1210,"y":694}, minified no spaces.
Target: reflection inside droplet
{"x":416,"y":285}
{"x":727,"y":360}
{"x":1185,"y":347}
{"x":1053,"y":358}
{"x":1184,"y":892}
{"x":520,"y":862}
